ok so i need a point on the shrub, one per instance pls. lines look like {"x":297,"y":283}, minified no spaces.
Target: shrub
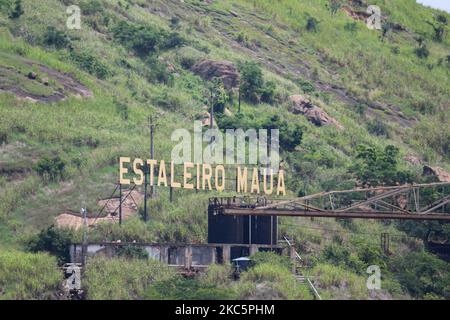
{"x":431,"y":134}
{"x":306,"y":86}
{"x":277,"y":282}
{"x":377,"y":127}
{"x":349,"y":285}
{"x":312,"y":24}
{"x":217,"y":274}
{"x":268,"y":92}
{"x":121,"y":108}
{"x":16,"y":10}
{"x":13,"y":195}
{"x":54,"y":241}
{"x":50,"y":168}
{"x":28,"y":276}
{"x":241,"y":37}
{"x":334,"y":6}
{"x":132,"y":229}
{"x":56,"y":38}
{"x":12,"y":8}
{"x":271,"y":258}
{"x":439,"y":27}
{"x":422,"y":52}
{"x":142,"y":39}
{"x":168,"y":100}
{"x":174,"y":22}
{"x":3,"y":137}
{"x":171,"y":40}
{"x":351,"y":27}
{"x":290,"y":134}
{"x":187,"y":289}
{"x":130,"y":251}
{"x":361,"y":109}
{"x":188,"y":57}
{"x":145,"y":39}
{"x":122,"y":279}
{"x":423,"y":274}
{"x":91,"y":7}
{"x":339,"y":255}
{"x":158,"y":71}
{"x":219,"y":95}
{"x":90,"y":63}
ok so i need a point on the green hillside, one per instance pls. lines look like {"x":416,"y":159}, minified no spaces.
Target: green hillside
{"x":73,"y":101}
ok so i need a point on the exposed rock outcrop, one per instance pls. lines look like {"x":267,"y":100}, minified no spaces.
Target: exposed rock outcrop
{"x":438,"y":172}
{"x":58,"y":85}
{"x":415,"y":161}
{"x":303,"y":106}
{"x":225,"y":70}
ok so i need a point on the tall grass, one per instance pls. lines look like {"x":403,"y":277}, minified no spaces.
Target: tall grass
{"x":28,"y":276}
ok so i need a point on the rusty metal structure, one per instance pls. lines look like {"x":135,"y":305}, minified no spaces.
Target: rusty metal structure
{"x":406,"y":202}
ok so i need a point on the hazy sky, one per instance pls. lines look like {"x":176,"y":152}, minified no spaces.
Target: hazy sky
{"x":439,"y":4}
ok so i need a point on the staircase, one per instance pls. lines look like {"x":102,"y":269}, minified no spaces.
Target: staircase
{"x":298,"y":261}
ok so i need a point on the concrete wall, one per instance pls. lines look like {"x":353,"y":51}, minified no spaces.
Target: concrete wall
{"x":185,"y":256}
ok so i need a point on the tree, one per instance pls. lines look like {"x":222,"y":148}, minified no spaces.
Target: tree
{"x":375,"y":167}
{"x":251,"y":81}
{"x":54,"y":241}
{"x":219,"y":95}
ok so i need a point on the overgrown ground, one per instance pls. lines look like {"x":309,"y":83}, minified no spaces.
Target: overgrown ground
{"x":57,"y":155}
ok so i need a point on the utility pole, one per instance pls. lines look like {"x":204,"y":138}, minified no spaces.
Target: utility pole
{"x":211,"y":119}
{"x":239,"y":99}
{"x":120,"y":204}
{"x":385,"y":243}
{"x":146,"y":171}
{"x":152,"y":148}
{"x":84,"y":247}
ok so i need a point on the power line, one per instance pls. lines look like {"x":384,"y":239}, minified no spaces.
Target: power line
{"x":344,"y":231}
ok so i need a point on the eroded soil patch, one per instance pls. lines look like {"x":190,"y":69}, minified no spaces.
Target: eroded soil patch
{"x":33,"y":81}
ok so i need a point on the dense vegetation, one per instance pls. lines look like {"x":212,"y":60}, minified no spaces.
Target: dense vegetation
{"x":389,"y":89}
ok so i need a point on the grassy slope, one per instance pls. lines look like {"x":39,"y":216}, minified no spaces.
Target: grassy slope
{"x":359,"y":63}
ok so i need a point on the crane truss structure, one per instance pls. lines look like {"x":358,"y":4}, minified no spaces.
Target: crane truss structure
{"x":406,"y":202}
